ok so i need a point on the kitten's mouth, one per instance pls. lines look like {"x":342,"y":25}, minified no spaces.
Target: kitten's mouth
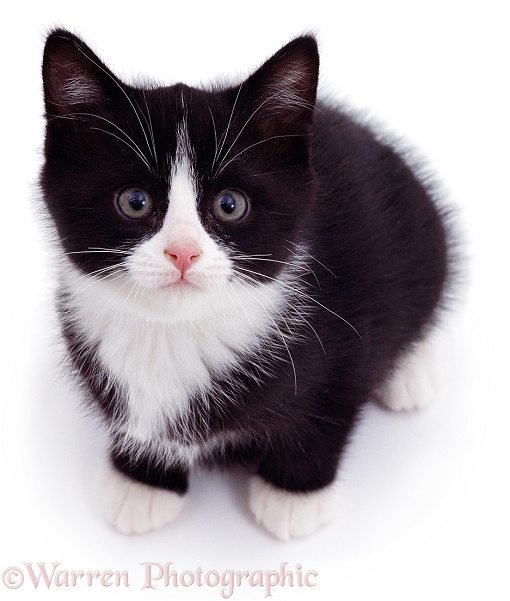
{"x":180,"y":284}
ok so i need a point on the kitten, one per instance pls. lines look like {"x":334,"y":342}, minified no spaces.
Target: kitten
{"x":242,"y":270}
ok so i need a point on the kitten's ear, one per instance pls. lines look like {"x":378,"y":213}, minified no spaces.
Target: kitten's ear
{"x":73,"y":76}
{"x":282,"y":92}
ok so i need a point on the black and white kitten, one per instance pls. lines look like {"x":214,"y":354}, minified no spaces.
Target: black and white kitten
{"x":242,"y":270}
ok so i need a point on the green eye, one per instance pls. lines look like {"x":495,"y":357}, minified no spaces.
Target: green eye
{"x":135,"y":203}
{"x":230,"y":206}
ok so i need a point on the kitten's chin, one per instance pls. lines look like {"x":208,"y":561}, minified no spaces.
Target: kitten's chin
{"x":178,"y":301}
{"x":189,"y":287}
{"x":181,"y":286}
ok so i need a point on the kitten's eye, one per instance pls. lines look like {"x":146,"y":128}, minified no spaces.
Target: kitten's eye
{"x":230,"y":205}
{"x":135,"y":203}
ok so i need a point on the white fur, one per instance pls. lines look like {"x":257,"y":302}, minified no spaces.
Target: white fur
{"x":288,"y":515}
{"x":412,"y":384}
{"x":133,"y":507}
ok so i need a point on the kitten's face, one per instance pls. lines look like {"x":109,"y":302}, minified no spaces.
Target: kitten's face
{"x":175,"y":191}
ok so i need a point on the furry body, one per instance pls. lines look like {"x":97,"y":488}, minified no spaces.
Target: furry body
{"x":282,"y":324}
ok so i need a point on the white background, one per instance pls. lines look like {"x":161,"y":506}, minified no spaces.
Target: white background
{"x":424,"y":504}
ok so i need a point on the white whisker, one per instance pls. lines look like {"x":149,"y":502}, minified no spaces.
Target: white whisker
{"x":148,"y":121}
{"x":224,"y":136}
{"x":121,"y":88}
{"x":114,"y":251}
{"x":232,"y":301}
{"x":283,"y":100}
{"x":138,"y":288}
{"x":136,"y":148}
{"x":223,"y":307}
{"x":223,"y":165}
{"x":135,"y":284}
{"x":252,"y":281}
{"x":302,"y":265}
{"x":277,"y":328}
{"x":301,"y":248}
{"x":127,"y":144}
{"x":244,"y":309}
{"x":215,"y":139}
{"x":305,"y":295}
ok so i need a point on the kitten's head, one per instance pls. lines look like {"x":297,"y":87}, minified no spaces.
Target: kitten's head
{"x":175,"y":189}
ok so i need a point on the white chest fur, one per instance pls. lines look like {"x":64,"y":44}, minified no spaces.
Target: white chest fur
{"x":164,"y":358}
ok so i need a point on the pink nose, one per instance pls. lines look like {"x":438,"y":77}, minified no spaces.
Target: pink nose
{"x":183,"y":255}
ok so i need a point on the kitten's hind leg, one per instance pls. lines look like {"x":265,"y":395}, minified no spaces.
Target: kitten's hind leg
{"x":137,"y":497}
{"x":412,"y":384}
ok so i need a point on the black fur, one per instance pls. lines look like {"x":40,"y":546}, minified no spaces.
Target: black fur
{"x":378,"y":241}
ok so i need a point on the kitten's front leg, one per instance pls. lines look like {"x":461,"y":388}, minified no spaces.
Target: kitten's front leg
{"x":141,"y":495}
{"x":294,"y":491}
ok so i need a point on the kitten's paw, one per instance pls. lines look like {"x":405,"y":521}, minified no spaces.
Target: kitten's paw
{"x":287,"y":514}
{"x":413,"y":383}
{"x":133,"y":507}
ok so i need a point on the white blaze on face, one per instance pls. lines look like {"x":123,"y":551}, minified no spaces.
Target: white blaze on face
{"x":182,"y":230}
{"x":182,"y":251}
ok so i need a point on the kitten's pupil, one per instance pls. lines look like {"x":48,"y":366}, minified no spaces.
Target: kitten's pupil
{"x":137,"y":200}
{"x":227,"y":203}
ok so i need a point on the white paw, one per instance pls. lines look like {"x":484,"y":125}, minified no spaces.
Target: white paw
{"x":412,"y":384}
{"x":287,"y":514}
{"x":133,"y":507}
